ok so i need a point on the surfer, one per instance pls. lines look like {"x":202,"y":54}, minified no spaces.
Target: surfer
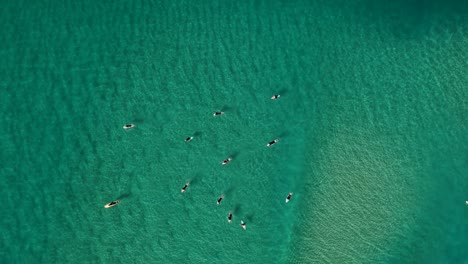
{"x":243,"y":225}
{"x":185,"y":187}
{"x":226,"y":161}
{"x":272,"y":142}
{"x":220,"y":199}
{"x":218,"y":113}
{"x":128,"y":126}
{"x":289,"y":197}
{"x":229,"y":218}
{"x":113,"y":203}
{"x":276,"y":96}
{"x":188,"y":139}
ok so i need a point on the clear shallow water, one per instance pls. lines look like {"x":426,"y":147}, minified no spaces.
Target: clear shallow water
{"x":371,"y":125}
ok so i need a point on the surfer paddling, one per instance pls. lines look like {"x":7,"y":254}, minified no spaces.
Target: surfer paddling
{"x":218,"y":114}
{"x":185,"y":187}
{"x":229,"y":218}
{"x":289,"y":197}
{"x":113,"y":203}
{"x":220,"y":199}
{"x":188,"y":139}
{"x":272,"y":143}
{"x":226,"y":161}
{"x":242,"y":224}
{"x":276,"y":96}
{"x":128,"y":126}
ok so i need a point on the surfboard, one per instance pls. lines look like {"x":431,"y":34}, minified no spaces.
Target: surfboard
{"x":185,"y":187}
{"x":111,"y":204}
{"x":243,"y":225}
{"x":273,"y":142}
{"x":220,"y":199}
{"x":127,"y":127}
{"x":224,"y":162}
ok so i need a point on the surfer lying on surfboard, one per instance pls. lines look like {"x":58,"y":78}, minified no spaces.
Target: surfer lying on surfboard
{"x":272,"y":142}
{"x":185,"y":187}
{"x":128,"y":126}
{"x":220,"y":198}
{"x":113,"y":203}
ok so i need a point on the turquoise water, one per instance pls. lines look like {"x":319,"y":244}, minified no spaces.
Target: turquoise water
{"x":371,"y":121}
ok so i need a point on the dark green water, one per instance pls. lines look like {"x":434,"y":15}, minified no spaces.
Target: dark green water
{"x":371,"y":122}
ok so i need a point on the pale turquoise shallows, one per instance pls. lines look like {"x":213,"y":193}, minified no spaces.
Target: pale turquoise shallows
{"x":372,"y":128}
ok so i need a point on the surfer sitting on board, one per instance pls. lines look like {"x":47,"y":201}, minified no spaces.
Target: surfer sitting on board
{"x":226,"y":161}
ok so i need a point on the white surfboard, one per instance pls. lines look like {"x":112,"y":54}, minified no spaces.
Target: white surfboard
{"x":111,"y":204}
{"x":128,"y":126}
{"x":224,"y":162}
{"x":185,"y":187}
{"x":220,"y":199}
{"x":272,"y":142}
{"x":243,"y":225}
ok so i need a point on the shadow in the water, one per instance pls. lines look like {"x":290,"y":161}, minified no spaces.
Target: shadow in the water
{"x":234,"y":154}
{"x":283,"y":92}
{"x":250,"y":217}
{"x":227,"y":108}
{"x":237,"y":209}
{"x":229,"y":190}
{"x":285,"y":134}
{"x":123,"y":196}
{"x":139,"y":119}
{"x":196,"y":179}
{"x":197,"y":134}
{"x":128,"y":182}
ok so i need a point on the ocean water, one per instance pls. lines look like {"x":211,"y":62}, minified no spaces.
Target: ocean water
{"x":371,"y":121}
